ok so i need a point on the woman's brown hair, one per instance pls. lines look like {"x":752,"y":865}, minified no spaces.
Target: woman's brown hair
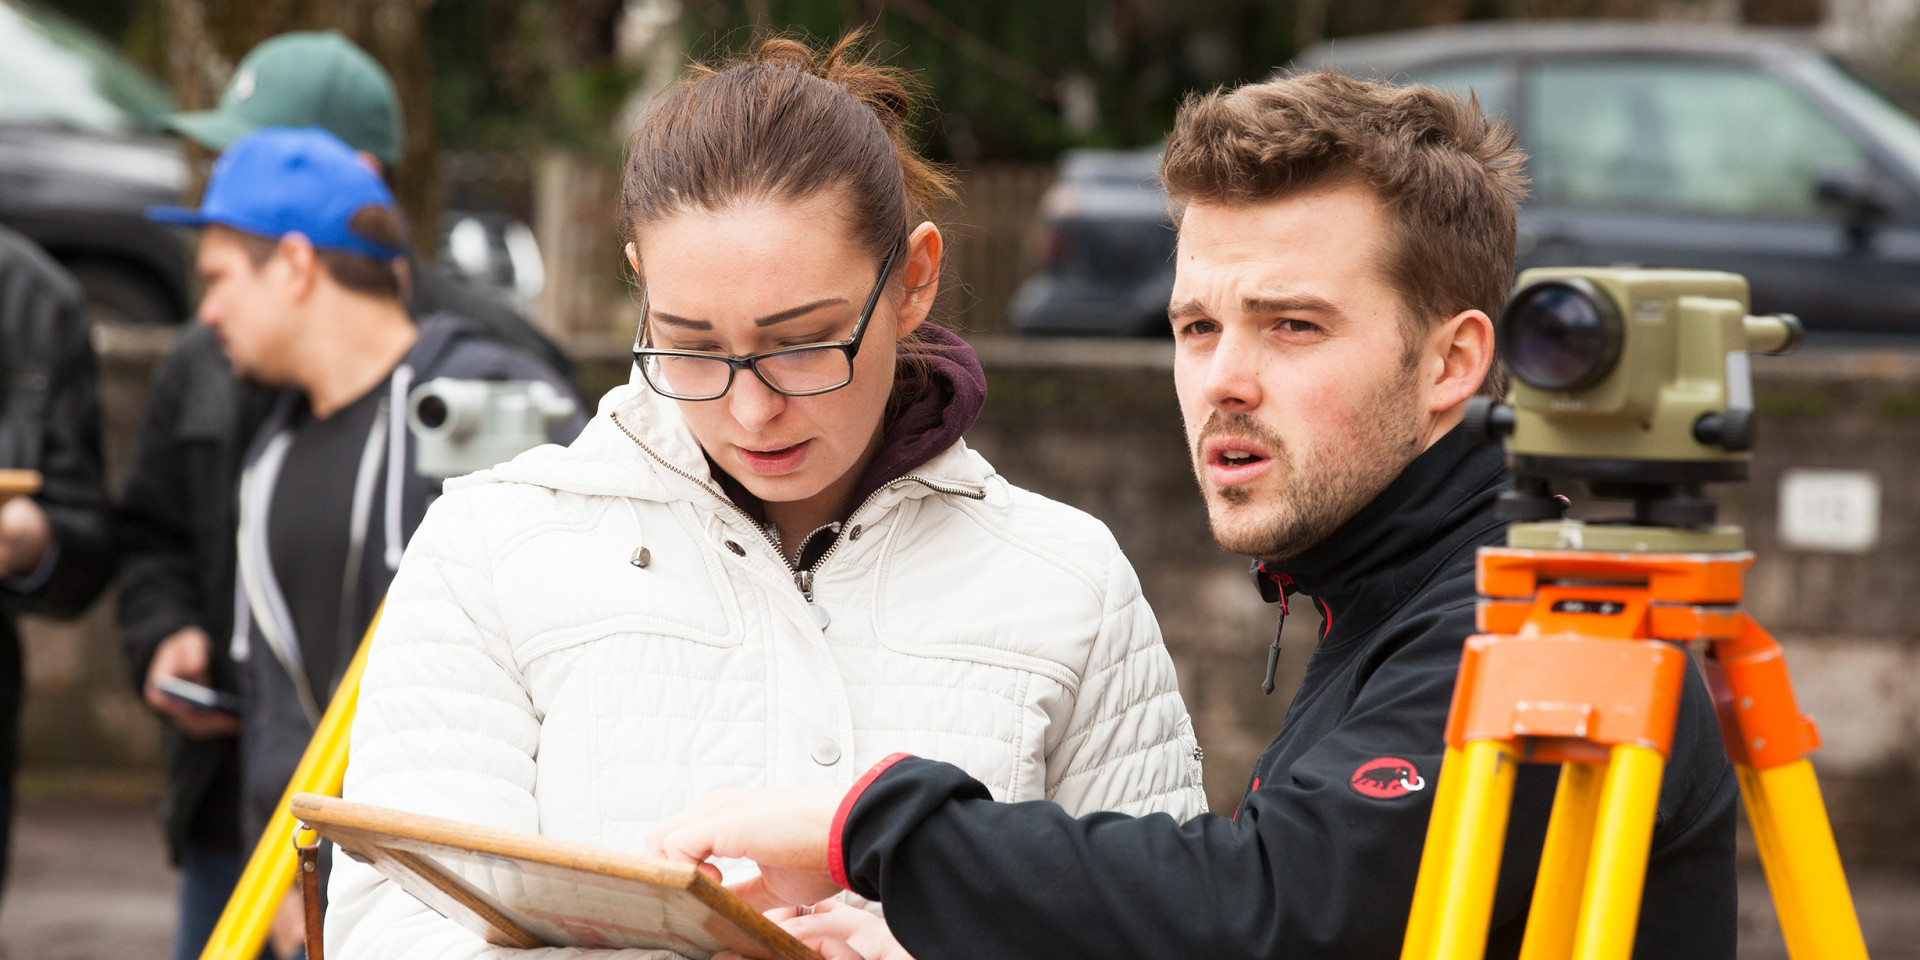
{"x":786,"y":122}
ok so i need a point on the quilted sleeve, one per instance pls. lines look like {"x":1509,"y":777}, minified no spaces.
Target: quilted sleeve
{"x":444,"y":728}
{"x":1129,"y":744}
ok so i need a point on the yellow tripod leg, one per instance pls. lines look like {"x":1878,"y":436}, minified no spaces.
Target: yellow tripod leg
{"x":1473,"y":848}
{"x":1561,"y":884}
{"x":1803,"y":867}
{"x":1629,"y":802}
{"x":1433,"y":868}
{"x":242,"y":929}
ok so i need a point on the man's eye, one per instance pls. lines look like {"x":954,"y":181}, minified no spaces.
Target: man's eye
{"x":1299,"y":326}
{"x":1198,"y":328}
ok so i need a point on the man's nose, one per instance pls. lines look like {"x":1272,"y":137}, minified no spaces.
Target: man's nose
{"x":752,"y":403}
{"x":1233,"y":372}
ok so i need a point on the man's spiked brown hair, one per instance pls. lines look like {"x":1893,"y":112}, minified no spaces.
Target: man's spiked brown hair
{"x":1449,"y":176}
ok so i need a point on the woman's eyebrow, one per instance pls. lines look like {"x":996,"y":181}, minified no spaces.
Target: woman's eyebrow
{"x":766,"y":321}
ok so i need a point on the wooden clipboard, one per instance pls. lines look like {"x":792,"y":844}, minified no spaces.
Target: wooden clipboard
{"x":523,"y":890}
{"x":19,"y":483}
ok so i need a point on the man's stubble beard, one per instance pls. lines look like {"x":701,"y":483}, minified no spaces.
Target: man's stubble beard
{"x":1308,"y":494}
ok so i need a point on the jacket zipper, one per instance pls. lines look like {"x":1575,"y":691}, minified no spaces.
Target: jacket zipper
{"x":802,"y":579}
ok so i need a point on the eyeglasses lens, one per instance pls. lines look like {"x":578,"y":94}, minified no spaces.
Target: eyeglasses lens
{"x":690,"y":378}
{"x":807,"y":371}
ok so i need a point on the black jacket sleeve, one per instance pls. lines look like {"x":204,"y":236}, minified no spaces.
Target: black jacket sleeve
{"x":73,"y":491}
{"x":1309,"y":866}
{"x":161,"y":583}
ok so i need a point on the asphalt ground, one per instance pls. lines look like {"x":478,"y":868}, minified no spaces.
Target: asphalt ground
{"x":90,"y":882}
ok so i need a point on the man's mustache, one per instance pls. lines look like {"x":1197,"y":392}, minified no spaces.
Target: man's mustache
{"x":1240,"y":426}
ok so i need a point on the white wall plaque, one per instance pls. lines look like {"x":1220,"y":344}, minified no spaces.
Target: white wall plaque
{"x":1836,"y":511}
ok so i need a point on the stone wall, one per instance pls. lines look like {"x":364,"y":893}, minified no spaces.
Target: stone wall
{"x":1095,"y":424}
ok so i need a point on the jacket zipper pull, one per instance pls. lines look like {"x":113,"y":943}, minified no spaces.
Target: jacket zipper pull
{"x":804,"y":580}
{"x":1273,"y":653}
{"x":1273,"y":589}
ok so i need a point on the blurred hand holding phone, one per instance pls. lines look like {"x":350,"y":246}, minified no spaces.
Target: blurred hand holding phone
{"x":177,"y":687}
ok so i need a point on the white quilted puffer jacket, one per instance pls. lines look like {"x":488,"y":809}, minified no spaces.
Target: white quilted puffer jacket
{"x":588,"y":639}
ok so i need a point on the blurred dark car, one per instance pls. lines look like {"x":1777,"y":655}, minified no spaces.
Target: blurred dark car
{"x":81,"y":158}
{"x":1657,"y":144}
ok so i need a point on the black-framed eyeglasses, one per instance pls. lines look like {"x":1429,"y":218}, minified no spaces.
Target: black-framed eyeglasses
{"x":803,"y":371}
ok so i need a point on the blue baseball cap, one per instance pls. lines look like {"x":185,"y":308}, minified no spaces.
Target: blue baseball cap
{"x":281,"y":180}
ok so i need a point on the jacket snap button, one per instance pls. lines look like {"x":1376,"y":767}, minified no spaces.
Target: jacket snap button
{"x":855,"y":533}
{"x":738,"y":550}
{"x":641,"y":557}
{"x":826,"y":753}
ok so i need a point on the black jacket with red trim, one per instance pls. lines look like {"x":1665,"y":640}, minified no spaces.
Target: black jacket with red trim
{"x":1321,"y":857}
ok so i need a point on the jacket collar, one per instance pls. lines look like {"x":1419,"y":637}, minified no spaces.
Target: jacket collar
{"x":1371,"y":564}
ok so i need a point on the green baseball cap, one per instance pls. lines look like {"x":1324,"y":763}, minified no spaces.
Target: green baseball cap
{"x":307,"y":79}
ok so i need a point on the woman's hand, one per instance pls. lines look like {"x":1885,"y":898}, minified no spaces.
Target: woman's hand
{"x":784,"y":831}
{"x":837,"y":931}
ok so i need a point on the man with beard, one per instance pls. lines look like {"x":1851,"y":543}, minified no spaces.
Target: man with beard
{"x":1342,"y":248}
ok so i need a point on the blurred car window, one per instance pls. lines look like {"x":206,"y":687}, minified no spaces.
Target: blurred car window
{"x":1710,"y":137}
{"x":1896,"y":129}
{"x":54,"y":74}
{"x":1489,"y":80}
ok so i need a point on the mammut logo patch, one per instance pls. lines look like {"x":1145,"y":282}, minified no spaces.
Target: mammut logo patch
{"x":1386,"y":778}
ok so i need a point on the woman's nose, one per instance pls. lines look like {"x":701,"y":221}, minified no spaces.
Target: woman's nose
{"x":752,"y":403}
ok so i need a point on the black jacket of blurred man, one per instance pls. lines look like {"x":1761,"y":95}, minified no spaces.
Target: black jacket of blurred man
{"x":178,"y":514}
{"x":1342,"y":247}
{"x":56,"y":547}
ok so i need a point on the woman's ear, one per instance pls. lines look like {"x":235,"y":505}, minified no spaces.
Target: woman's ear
{"x":633,"y":257}
{"x":921,"y":275}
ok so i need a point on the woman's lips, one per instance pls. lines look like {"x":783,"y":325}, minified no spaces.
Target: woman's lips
{"x":776,"y":462}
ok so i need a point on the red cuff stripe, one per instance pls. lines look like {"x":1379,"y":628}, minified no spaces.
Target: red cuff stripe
{"x":836,"y":856}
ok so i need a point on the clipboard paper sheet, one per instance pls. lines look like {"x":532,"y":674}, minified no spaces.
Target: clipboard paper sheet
{"x":523,"y":890}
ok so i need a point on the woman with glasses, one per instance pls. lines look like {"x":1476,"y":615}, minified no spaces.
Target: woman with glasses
{"x":770,"y":560}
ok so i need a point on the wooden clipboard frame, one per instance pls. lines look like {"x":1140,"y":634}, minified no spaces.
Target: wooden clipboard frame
{"x":407,"y":849}
{"x":19,"y":483}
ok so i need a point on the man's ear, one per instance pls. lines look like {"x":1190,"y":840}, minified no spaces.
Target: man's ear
{"x":300,"y":263}
{"x":920,"y":271}
{"x":1459,"y":354}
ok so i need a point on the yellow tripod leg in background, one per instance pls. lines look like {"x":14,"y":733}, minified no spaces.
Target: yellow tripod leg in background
{"x":1561,"y":884}
{"x":243,"y":925}
{"x":1797,"y":851}
{"x":1617,"y":874}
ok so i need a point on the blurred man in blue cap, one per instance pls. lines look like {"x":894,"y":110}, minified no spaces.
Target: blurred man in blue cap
{"x":177,"y":512}
{"x":301,"y":256}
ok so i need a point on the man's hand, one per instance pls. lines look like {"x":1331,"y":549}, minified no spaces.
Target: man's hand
{"x":185,"y":654}
{"x":288,"y":932}
{"x":24,"y":536}
{"x":784,"y":831}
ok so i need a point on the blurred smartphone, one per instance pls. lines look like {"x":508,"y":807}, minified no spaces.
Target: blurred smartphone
{"x":197,"y":696}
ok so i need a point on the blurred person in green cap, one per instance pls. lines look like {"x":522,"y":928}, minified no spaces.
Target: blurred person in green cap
{"x":178,"y":513}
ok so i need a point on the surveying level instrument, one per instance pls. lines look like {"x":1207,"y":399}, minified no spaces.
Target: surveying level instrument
{"x":270,"y":871}
{"x":1635,"y":383}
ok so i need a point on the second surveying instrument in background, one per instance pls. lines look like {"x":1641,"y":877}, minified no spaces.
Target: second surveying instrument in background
{"x":299,"y":258}
{"x":1635,"y":383}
